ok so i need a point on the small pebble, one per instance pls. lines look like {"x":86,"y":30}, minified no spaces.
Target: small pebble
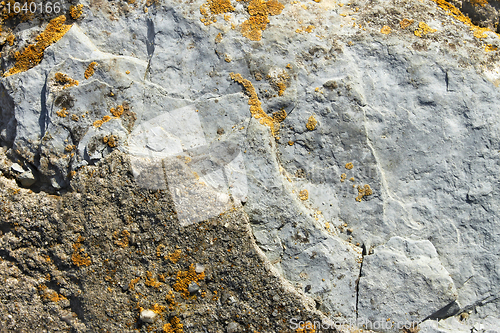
{"x":275,"y":313}
{"x":233,"y":327}
{"x":193,"y":287}
{"x":199,"y":268}
{"x":147,"y":316}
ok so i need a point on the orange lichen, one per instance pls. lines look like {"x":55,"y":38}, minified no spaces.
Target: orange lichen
{"x":453,"y":11}
{"x":79,"y":257}
{"x":90,"y":69}
{"x":481,"y":3}
{"x":159,"y":250}
{"x":32,"y":55}
{"x":172,"y":304}
{"x":65,"y":80}
{"x":218,"y":38}
{"x":351,"y":179}
{"x":174,"y":326}
{"x":70,"y":148}
{"x":118,"y":111}
{"x":423,"y":29}
{"x":62,"y":113}
{"x":309,"y":28}
{"x":405,"y":23}
{"x":131,"y":285}
{"x":10,"y":39}
{"x":385,"y":30}
{"x":363,"y":192}
{"x":122,"y":239}
{"x":174,"y":256}
{"x":150,"y":281}
{"x":105,"y":119}
{"x":279,"y":116}
{"x":76,"y":11}
{"x":303,"y":195}
{"x":127,"y":72}
{"x":343,"y":177}
{"x":51,"y":295}
{"x":349,"y":166}
{"x":490,"y":48}
{"x":184,"y":278}
{"x":259,"y":11}
{"x":311,"y":123}
{"x":279,"y":81}
{"x":290,"y":143}
{"x":212,"y":8}
{"x":158,"y":309}
{"x":255,"y":105}
{"x":74,"y":117}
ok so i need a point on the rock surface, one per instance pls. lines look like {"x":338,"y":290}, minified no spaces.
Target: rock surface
{"x":345,"y":153}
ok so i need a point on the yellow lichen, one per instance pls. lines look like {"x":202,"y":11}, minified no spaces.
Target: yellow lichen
{"x":453,"y":11}
{"x":481,"y":3}
{"x":385,"y":30}
{"x":118,"y":111}
{"x":32,"y":55}
{"x":218,"y":38}
{"x":131,"y":285}
{"x":174,"y":256}
{"x":52,"y":295}
{"x":363,"y":192}
{"x":490,"y":48}
{"x":290,"y":143}
{"x":304,"y":195}
{"x":65,"y":80}
{"x":405,"y":23}
{"x":79,"y":257}
{"x":184,"y":278}
{"x":311,"y":123}
{"x":10,"y":39}
{"x":255,"y":105}
{"x":62,"y":113}
{"x":279,"y":116}
{"x":212,"y":8}
{"x":105,"y":119}
{"x":70,"y":148}
{"x":174,"y":326}
{"x":349,"y":166}
{"x":90,"y":69}
{"x":76,"y":11}
{"x":259,"y":11}
{"x":122,"y":239}
{"x":309,"y":28}
{"x":343,"y":177}
{"x":423,"y":29}
{"x":150,"y":281}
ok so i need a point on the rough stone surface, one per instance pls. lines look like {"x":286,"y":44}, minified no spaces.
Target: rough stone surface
{"x":351,"y":171}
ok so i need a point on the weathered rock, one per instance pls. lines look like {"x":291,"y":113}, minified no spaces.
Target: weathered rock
{"x":373,"y":127}
{"x":405,"y":274}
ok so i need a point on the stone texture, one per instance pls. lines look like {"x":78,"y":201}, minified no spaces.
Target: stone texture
{"x":389,"y":150}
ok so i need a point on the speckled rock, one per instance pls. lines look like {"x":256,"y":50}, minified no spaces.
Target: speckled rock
{"x":347,"y":133}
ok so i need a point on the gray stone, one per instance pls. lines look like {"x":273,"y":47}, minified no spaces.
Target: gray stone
{"x":193,"y":287}
{"x":27,"y":178}
{"x":233,"y":327}
{"x":407,"y":274}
